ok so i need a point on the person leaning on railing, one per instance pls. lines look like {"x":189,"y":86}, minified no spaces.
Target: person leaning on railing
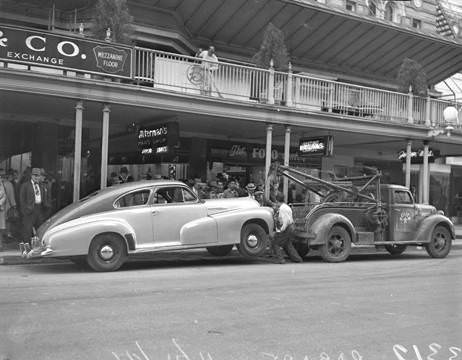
{"x":209,"y":66}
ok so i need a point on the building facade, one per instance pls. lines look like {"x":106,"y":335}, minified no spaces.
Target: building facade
{"x":83,"y":108}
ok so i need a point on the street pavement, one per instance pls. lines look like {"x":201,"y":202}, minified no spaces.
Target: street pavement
{"x":200,"y":307}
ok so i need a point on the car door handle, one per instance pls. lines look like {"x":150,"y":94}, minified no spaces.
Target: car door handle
{"x":154,"y":212}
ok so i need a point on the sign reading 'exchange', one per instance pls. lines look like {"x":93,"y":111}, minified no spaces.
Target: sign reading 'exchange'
{"x":40,"y":48}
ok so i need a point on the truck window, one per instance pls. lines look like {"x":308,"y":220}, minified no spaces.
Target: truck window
{"x":402,"y":197}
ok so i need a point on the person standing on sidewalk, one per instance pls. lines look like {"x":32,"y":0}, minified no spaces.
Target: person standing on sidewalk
{"x":31,"y":199}
{"x":2,"y":216}
{"x":284,"y":234}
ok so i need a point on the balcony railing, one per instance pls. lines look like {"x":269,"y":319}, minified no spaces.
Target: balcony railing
{"x":248,"y":84}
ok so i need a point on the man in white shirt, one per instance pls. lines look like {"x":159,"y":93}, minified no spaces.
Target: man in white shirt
{"x":284,"y":234}
{"x":209,"y":66}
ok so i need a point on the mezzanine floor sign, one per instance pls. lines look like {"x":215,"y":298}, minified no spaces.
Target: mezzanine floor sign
{"x":41,"y":48}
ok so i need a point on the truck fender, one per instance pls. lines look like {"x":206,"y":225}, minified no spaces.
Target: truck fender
{"x":427,"y":225}
{"x":321,"y":227}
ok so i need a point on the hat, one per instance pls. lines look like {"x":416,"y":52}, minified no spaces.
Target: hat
{"x":124,"y":170}
{"x":251,"y":187}
{"x":36,"y":171}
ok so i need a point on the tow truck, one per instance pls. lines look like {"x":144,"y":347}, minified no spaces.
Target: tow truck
{"x":360,"y":211}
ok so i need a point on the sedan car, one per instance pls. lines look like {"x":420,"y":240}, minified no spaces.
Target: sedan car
{"x":106,"y":227}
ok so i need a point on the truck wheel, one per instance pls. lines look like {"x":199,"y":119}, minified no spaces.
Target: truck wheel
{"x":220,"y":250}
{"x":338,"y":245}
{"x":440,"y":242}
{"x":107,"y":253}
{"x":253,"y":240}
{"x":395,"y":250}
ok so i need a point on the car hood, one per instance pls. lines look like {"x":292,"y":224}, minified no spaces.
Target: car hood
{"x":215,"y":206}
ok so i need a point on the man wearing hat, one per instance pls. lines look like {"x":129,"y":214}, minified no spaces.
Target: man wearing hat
{"x":250,"y":187}
{"x":31,"y":200}
{"x":124,"y":176}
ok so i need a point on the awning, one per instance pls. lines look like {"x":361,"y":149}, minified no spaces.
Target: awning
{"x":317,"y":36}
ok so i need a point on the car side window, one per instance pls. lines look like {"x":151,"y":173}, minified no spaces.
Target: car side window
{"x":189,"y":196}
{"x":135,"y":198}
{"x":402,"y":197}
{"x":169,"y":195}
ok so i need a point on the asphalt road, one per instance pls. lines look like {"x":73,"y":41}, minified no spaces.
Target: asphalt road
{"x":197,"y":307}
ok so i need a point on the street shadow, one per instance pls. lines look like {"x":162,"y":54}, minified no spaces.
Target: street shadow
{"x":169,"y":260}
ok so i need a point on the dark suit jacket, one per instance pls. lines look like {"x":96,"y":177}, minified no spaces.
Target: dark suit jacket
{"x":27,"y":197}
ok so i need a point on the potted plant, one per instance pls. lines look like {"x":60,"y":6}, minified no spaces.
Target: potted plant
{"x":112,"y":15}
{"x":272,"y":53}
{"x":411,"y":74}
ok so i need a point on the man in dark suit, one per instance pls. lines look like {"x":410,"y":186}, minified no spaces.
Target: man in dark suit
{"x":32,"y":197}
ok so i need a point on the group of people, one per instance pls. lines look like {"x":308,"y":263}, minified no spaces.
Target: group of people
{"x":24,"y":203}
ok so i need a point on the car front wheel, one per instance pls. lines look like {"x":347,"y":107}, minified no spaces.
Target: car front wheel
{"x":337,"y":247}
{"x":253,"y":240}
{"x":440,"y":242}
{"x":107,"y":252}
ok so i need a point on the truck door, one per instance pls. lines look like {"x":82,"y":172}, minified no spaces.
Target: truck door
{"x":402,"y":216}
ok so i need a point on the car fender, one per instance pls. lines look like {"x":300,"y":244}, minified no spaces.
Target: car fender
{"x":322,"y":225}
{"x":230,"y":223}
{"x":426,"y":226}
{"x":74,"y":237}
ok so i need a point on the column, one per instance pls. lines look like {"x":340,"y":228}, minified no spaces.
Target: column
{"x":410,"y":109}
{"x":269,"y":138}
{"x":286,"y":162}
{"x":426,"y":173}
{"x":289,"y":101}
{"x":104,"y":145}
{"x":77,"y":149}
{"x":408,"y":164}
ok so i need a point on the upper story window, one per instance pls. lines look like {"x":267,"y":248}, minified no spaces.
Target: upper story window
{"x":350,"y":5}
{"x":389,"y":12}
{"x":372,"y":8}
{"x":416,"y":23}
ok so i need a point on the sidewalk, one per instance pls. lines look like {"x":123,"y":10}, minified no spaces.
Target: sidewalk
{"x":11,"y":256}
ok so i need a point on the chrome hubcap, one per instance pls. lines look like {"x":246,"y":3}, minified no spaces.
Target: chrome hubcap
{"x":106,"y":252}
{"x":252,"y":240}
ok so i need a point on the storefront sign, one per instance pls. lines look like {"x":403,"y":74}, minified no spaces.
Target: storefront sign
{"x":417,"y":156}
{"x":248,"y":153}
{"x":316,"y":146}
{"x":159,"y":139}
{"x":21,"y":45}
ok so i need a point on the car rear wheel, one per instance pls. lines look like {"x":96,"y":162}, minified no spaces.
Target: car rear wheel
{"x":395,"y":250}
{"x":220,"y":250}
{"x":338,"y":245}
{"x":253,"y":240}
{"x":440,"y":242}
{"x":107,"y":252}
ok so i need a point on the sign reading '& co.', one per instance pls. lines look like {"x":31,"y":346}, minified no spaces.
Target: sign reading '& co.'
{"x":47,"y":49}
